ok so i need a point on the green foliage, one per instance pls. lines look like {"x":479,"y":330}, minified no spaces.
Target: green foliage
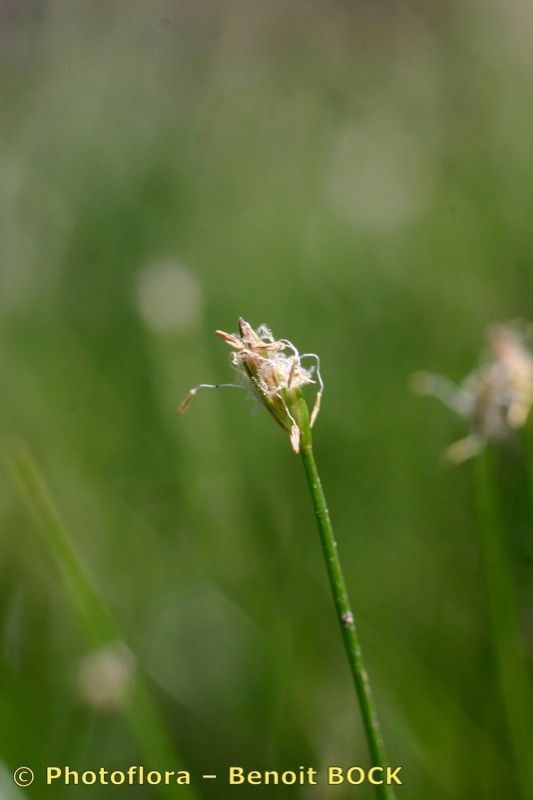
{"x":359,"y":178}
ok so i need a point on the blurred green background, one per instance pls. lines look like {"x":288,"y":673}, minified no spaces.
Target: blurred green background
{"x":357,"y":175}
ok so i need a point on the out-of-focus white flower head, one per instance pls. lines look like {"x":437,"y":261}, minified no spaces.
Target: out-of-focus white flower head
{"x":104,"y":677}
{"x":496,"y":398}
{"x":169,"y":297}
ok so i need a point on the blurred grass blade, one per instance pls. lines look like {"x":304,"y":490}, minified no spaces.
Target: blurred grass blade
{"x":509,"y":650}
{"x":433,"y":722}
{"x":91,"y":612}
{"x":8,"y":789}
{"x":94,"y":618}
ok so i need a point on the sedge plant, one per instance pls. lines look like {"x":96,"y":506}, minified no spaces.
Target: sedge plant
{"x":276,"y":373}
{"x":495,"y":400}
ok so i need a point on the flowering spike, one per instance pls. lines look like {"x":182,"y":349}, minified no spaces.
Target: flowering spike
{"x":273,"y":370}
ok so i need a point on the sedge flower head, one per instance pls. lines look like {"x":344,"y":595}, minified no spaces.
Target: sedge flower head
{"x":496,"y":398}
{"x":273,"y":370}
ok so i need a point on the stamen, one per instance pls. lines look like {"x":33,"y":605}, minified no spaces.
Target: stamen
{"x":295,"y":430}
{"x":270,"y":346}
{"x":231,"y":339}
{"x":185,"y":403}
{"x":320,"y":392}
{"x":295,"y":438}
{"x":291,"y":372}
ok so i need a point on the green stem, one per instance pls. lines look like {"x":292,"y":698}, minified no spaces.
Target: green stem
{"x":140,"y":713}
{"x":508,"y":644}
{"x":345,"y":616}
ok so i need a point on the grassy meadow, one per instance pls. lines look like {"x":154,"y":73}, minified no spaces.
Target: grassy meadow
{"x":358,"y":176}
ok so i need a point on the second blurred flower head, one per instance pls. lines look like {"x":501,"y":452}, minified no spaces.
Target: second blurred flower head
{"x":496,"y":398}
